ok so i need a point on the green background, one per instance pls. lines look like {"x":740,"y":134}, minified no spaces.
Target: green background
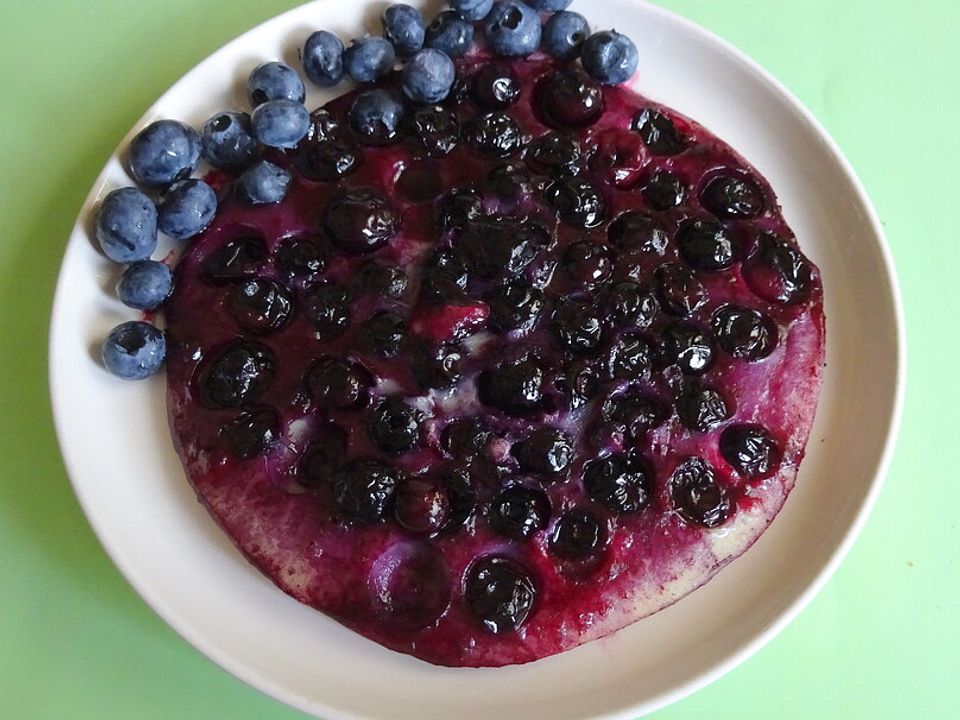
{"x":880,"y":641}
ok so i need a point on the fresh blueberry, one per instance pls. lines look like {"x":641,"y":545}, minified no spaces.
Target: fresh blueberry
{"x":512,"y":29}
{"x":570,"y":99}
{"x":547,"y":451}
{"x":635,"y":230}
{"x":252,"y":433}
{"x":393,"y":426}
{"x":163,"y":153}
{"x":501,"y":593}
{"x":750,"y":450}
{"x":495,"y":135}
{"x":365,"y":489}
{"x":260,"y":306}
{"x":621,"y":484}
{"x":338,"y":384}
{"x":515,"y":388}
{"x":610,"y":57}
{"x":328,"y":308}
{"x":280,"y":123}
{"x":238,"y":374}
{"x":127,"y":225}
{"x":145,"y":285}
{"x":450,"y":33}
{"x":472,"y":10}
{"x":745,"y":333}
{"x":495,"y":86}
{"x":359,"y":221}
{"x":323,"y":58}
{"x":238,"y":259}
{"x":577,"y":535}
{"x":186,"y":209}
{"x":434,"y":132}
{"x":428,"y":76}
{"x":273,"y":81}
{"x":228,"y":141}
{"x":134,"y":350}
{"x":263,"y":183}
{"x":732,"y":196}
{"x":564,"y":35}
{"x":518,"y":512}
{"x":403,"y":26}
{"x":549,"y":5}
{"x":697,"y":496}
{"x":688,"y":347}
{"x":376,"y":116}
{"x":369,"y":58}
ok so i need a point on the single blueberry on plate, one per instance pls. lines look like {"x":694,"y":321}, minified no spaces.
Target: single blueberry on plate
{"x":564,"y":35}
{"x":664,"y":190}
{"x":629,"y":303}
{"x":501,"y":593}
{"x":369,"y":58}
{"x":127,"y":225}
{"x":578,"y":326}
{"x":273,"y":81}
{"x":472,"y":10}
{"x":549,"y":5}
{"x":778,"y":272}
{"x":134,"y":350}
{"x":280,"y":123}
{"x":631,"y":357}
{"x":437,"y":366}
{"x":403,"y":26}
{"x":263,"y":183}
{"x":145,"y":285}
{"x":428,"y":76}
{"x":376,"y":116}
{"x":464,"y":437}
{"x":163,"y":153}
{"x":659,"y":133}
{"x":323,"y":59}
{"x":228,"y":142}
{"x":186,"y":209}
{"x":610,"y":57}
{"x":514,"y":305}
{"x":512,"y":29}
{"x":678,"y":290}
{"x":578,"y":201}
{"x":450,"y":33}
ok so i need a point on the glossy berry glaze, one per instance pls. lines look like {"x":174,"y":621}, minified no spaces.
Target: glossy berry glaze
{"x":534,"y":419}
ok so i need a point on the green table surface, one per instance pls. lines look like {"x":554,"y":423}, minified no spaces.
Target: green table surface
{"x":880,"y":641}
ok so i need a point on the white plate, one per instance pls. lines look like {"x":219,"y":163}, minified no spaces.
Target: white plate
{"x":119,"y":454}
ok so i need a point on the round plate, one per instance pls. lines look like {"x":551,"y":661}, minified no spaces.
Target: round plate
{"x":118,"y":449}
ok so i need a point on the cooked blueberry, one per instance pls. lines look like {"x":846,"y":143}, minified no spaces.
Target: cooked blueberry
{"x":500,"y":593}
{"x":260,"y":305}
{"x":164,"y":152}
{"x":688,"y":346}
{"x":186,"y":209}
{"x":450,"y":33}
{"x":495,"y":134}
{"x":577,"y":201}
{"x":459,"y":207}
{"x":701,"y":408}
{"x":750,"y":450}
{"x":434,"y":131}
{"x":240,"y":373}
{"x":263,"y":183}
{"x":127,"y":225}
{"x":360,"y":220}
{"x":428,"y":76}
{"x":134,"y":350}
{"x":280,"y":123}
{"x":570,"y":99}
{"x":394,"y":426}
{"x":338,"y":384}
{"x":328,"y":308}
{"x":564,"y":34}
{"x":382,"y":333}
{"x":635,"y":413}
{"x":678,"y":290}
{"x":515,"y":305}
{"x":252,"y":433}
{"x":444,"y":277}
{"x":369,"y":58}
{"x":617,"y":156}
{"x":610,"y":57}
{"x":496,"y":246}
{"x":631,"y":357}
{"x":554,"y":154}
{"x":512,"y":29}
{"x":381,"y":280}
{"x":327,"y":159}
{"x":323,"y":126}
{"x":403,"y":26}
{"x":228,"y":143}
{"x":323,"y":457}
{"x":437,"y":366}
{"x":659,"y":133}
{"x":495,"y":87}
{"x":365,"y":489}
{"x":238,"y":259}
{"x":579,"y":383}
{"x":705,"y":245}
{"x":620,"y":484}
{"x":464,"y":437}
{"x":518,"y":512}
{"x":145,"y":285}
{"x":300,"y":259}
{"x":375,"y":117}
{"x":629,"y":303}
{"x":547,"y":450}
{"x":510,"y":182}
{"x":273,"y":81}
{"x":422,"y":505}
{"x":732,"y":196}
{"x":472,"y":10}
{"x":778,"y":272}
{"x":745,"y":333}
{"x":635,"y":230}
{"x":515,"y":388}
{"x":323,"y":59}
{"x":587,"y":263}
{"x":664,"y":190}
{"x":577,"y":326}
{"x":463,"y":495}
{"x":577,"y":535}
{"x":697,"y":496}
